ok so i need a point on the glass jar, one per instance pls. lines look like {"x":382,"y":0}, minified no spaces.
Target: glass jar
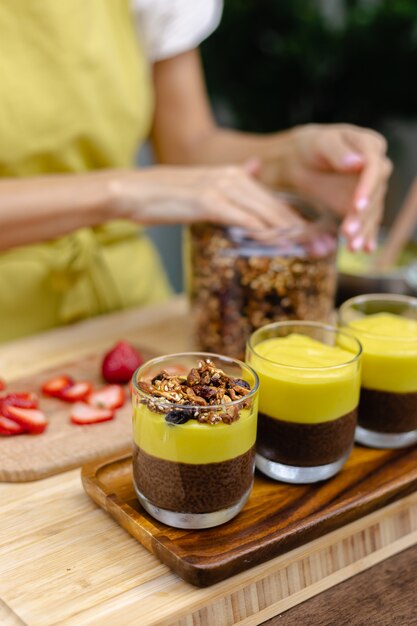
{"x":239,"y":281}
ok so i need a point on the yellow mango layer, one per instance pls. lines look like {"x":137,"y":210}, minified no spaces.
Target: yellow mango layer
{"x":193,"y":442}
{"x":389,"y":352}
{"x":311,"y":390}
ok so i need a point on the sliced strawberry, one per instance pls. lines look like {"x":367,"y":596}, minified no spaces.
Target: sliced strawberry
{"x":21,"y":400}
{"x":55,"y":386}
{"x":9,"y":427}
{"x":108,"y":397}
{"x":120,"y":363}
{"x":32,"y":420}
{"x":82,"y":414}
{"x":2,"y":384}
{"x":76,"y":393}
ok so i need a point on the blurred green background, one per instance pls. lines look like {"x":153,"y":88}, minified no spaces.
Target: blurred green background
{"x":277,"y":63}
{"x":274,"y":64}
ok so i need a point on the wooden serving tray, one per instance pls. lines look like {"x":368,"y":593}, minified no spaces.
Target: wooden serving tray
{"x":276,"y":519}
{"x":63,"y":445}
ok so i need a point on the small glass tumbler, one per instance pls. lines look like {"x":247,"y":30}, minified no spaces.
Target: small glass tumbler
{"x":193,"y":474}
{"x":386,"y":325}
{"x":309,"y":376}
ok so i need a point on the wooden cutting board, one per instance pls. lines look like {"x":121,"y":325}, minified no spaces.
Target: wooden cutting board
{"x":63,"y":445}
{"x":276,"y":519}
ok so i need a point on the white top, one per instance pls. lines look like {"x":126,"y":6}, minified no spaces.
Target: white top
{"x":170,"y":27}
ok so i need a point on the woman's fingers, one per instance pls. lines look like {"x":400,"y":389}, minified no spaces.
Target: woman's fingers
{"x":373,"y":177}
{"x":371,"y":226}
{"x":361,"y":229}
{"x":346,"y":150}
{"x":336,"y":153}
{"x":227,"y":195}
{"x":229,"y":213}
{"x":377,"y":167}
{"x":255,"y":199}
{"x":351,"y":149}
{"x":253,"y":166}
{"x":364,"y":213}
{"x":252,"y":201}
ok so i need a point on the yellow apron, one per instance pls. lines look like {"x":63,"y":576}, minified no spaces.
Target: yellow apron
{"x":75,"y":95}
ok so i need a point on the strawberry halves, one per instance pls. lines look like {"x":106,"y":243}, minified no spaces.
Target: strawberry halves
{"x":76,"y":393}
{"x":64,"y":388}
{"x":108,"y":397}
{"x":23,"y":400}
{"x":9,"y":427}
{"x":55,"y":386}
{"x":83,"y":414}
{"x":33,"y":420}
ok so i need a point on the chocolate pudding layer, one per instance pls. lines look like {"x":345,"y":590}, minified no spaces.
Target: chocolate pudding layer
{"x":305,"y":445}
{"x":387,"y":412}
{"x":193,"y":488}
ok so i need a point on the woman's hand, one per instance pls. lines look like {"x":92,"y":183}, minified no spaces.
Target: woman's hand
{"x":345,"y":167}
{"x":45,"y":207}
{"x":221,"y":194}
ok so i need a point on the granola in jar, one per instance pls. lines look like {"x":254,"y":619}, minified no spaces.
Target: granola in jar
{"x":238,"y":282}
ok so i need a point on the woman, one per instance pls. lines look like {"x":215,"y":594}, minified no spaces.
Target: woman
{"x":82,"y":85}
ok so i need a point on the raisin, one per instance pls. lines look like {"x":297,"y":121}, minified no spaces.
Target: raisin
{"x":180,"y":416}
{"x":241,"y":383}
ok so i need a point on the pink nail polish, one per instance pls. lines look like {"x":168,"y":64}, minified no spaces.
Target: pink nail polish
{"x":352,"y":159}
{"x":361,"y":204}
{"x":352,"y":227}
{"x":357,"y":243}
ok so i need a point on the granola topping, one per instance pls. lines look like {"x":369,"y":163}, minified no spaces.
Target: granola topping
{"x":204,"y":386}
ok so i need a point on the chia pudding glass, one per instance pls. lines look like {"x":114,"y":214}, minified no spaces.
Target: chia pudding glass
{"x":194,"y":438}
{"x":309,"y":376}
{"x":386,"y":325}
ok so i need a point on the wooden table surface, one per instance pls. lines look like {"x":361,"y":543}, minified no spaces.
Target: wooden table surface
{"x":65,"y":561}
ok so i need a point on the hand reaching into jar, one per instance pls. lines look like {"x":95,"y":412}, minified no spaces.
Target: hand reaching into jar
{"x":342,"y":165}
{"x":156,"y":195}
{"x":210,"y":174}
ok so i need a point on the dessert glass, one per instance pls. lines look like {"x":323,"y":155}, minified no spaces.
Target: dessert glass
{"x":309,"y":376}
{"x":239,"y":280}
{"x":193,"y":474}
{"x":386,"y":325}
